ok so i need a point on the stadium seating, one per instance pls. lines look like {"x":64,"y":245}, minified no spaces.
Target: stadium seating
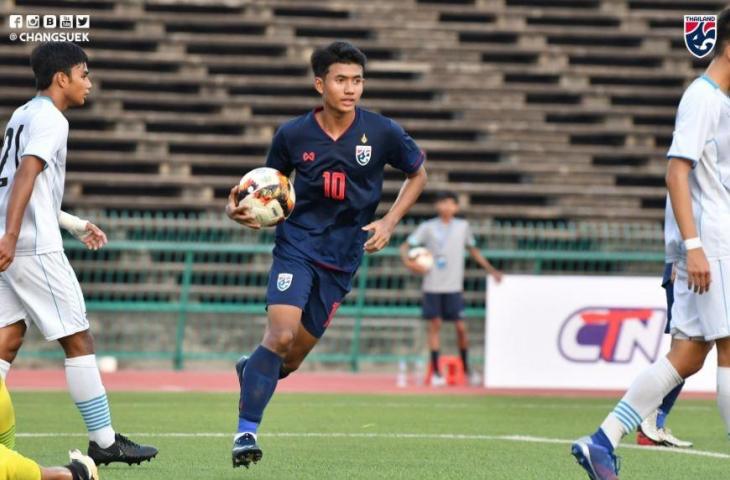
{"x":549,"y":118}
{"x":530,"y":109}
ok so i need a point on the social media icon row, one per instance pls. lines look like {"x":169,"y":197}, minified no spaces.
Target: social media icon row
{"x":50,"y":21}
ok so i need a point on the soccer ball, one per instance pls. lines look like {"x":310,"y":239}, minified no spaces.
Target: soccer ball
{"x":269,"y":195}
{"x":422,"y":257}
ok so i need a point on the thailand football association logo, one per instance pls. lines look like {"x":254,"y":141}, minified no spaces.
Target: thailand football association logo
{"x":612,"y":335}
{"x":284,"y":281}
{"x":700,"y":33}
{"x":363,"y":154}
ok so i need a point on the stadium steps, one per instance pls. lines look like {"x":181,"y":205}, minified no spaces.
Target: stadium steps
{"x":585,"y":90}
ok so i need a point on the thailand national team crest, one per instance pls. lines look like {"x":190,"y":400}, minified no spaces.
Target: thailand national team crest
{"x":700,"y":33}
{"x":363,"y":154}
{"x":284,"y":281}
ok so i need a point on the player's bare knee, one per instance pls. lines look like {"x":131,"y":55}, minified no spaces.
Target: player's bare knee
{"x":78,"y":344}
{"x":279,"y":340}
{"x":11,"y":339}
{"x":723,"y":352}
{"x":687,"y":366}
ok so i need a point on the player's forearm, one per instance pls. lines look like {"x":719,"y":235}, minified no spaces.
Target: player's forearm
{"x":19,"y":197}
{"x":679,"y":192}
{"x":72,"y":223}
{"x":404,"y":251}
{"x":483,"y":262}
{"x":408,"y":195}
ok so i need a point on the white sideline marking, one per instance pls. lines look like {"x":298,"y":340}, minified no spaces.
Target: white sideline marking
{"x":410,"y":436}
{"x":607,"y":405}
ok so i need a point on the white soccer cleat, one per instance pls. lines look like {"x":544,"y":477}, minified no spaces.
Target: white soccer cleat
{"x":650,"y":435}
{"x":649,"y":430}
{"x":672,"y":441}
{"x":77,"y":456}
{"x":437,"y":381}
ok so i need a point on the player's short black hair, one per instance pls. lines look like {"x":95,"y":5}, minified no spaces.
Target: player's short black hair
{"x":50,"y":58}
{"x":723,"y":31}
{"x":336,"y":52}
{"x":446,"y":195}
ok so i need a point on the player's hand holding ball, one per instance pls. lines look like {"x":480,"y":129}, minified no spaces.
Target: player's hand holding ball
{"x":7,"y":251}
{"x":382,"y":230}
{"x":263,"y":198}
{"x":240,"y":213}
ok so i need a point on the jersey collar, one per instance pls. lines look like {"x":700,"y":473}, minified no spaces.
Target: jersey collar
{"x":324,"y":132}
{"x":43,"y":97}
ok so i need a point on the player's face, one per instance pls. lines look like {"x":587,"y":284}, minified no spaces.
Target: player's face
{"x":341,"y":88}
{"x":447,"y":208}
{"x":78,"y":86}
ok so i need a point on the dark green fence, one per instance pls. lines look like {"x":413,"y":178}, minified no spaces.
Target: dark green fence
{"x":178,"y":289}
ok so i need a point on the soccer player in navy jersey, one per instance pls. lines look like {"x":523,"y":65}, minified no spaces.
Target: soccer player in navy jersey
{"x":339,"y":152}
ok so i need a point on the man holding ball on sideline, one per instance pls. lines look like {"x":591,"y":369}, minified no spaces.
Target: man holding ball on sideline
{"x":447,"y":238}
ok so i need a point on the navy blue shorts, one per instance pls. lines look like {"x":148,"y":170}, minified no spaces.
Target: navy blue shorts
{"x":446,"y":306}
{"x":318,"y":291}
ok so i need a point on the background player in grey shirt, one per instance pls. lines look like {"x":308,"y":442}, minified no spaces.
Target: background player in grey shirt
{"x":447,"y":238}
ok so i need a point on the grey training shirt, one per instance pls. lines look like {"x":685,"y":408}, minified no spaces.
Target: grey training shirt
{"x":447,"y":242}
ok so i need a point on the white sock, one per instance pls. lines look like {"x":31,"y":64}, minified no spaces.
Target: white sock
{"x":723,"y":395}
{"x":642,"y":398}
{"x":87,"y":391}
{"x":4,"y":369}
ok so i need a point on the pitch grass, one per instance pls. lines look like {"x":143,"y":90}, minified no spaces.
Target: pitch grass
{"x":337,"y":457}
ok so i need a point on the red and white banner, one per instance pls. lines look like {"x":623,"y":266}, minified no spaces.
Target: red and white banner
{"x":577,"y":332}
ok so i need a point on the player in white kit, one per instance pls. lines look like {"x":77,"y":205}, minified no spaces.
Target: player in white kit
{"x":698,"y":243}
{"x":37,"y":284}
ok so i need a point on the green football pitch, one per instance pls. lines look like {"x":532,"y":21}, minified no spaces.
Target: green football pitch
{"x":308,"y":436}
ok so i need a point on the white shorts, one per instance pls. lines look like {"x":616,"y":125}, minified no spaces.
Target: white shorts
{"x":44,"y":290}
{"x":705,"y":316}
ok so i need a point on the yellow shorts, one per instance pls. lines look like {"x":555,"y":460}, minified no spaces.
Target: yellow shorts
{"x":14,"y":466}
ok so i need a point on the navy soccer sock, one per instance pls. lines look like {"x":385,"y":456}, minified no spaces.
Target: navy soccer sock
{"x":259,"y":382}
{"x":667,"y":405}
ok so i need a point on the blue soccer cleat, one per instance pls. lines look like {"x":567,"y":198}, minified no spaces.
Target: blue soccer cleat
{"x":246,"y":451}
{"x":595,"y":459}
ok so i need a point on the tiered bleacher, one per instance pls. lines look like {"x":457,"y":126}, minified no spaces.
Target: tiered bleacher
{"x":530,"y":109}
{"x":549,"y":118}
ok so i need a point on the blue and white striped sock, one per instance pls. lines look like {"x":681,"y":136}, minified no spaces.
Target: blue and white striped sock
{"x":644,"y":396}
{"x":87,"y":391}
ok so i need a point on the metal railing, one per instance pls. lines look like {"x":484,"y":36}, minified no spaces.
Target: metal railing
{"x":361,"y":307}
{"x":183,"y":288}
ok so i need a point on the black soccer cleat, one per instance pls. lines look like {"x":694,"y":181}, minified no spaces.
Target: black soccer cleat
{"x":123,"y":450}
{"x":245,"y":451}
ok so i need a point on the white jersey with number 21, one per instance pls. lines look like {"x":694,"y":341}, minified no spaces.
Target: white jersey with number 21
{"x":37,"y":128}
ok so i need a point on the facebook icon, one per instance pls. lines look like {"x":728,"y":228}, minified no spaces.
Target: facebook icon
{"x":16,"y":21}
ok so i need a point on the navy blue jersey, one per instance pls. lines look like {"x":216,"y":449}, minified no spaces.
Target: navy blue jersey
{"x":338,"y":183}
